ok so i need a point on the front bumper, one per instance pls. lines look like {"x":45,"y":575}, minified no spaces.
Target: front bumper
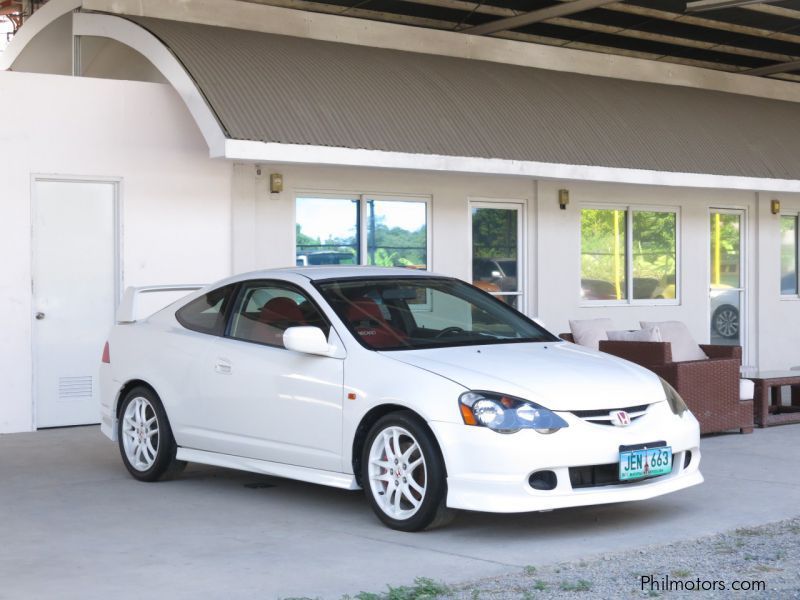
{"x":487,"y":471}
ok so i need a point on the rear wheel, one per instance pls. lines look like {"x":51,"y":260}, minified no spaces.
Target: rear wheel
{"x":726,"y":321}
{"x":145,"y":438}
{"x":404,"y":475}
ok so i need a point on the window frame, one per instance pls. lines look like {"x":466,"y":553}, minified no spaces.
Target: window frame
{"x":238,"y":297}
{"x":362,"y":199}
{"x":629,"y":209}
{"x":796,"y":216}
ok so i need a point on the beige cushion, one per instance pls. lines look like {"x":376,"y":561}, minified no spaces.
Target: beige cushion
{"x":635,"y":335}
{"x":589,"y":332}
{"x":747,"y":389}
{"x":677,"y":334}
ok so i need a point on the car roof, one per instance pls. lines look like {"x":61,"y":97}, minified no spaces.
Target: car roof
{"x":320,"y":272}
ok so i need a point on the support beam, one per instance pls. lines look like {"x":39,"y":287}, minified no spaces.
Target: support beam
{"x":706,"y":5}
{"x":785,"y":67}
{"x":536,"y":16}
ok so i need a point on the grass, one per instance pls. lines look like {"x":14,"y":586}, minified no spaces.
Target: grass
{"x":578,"y":586}
{"x":530,"y":570}
{"x":423,"y":589}
{"x":540,"y":585}
{"x":681,"y":573}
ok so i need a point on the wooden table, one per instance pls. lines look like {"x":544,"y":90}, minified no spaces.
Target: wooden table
{"x":767,"y":407}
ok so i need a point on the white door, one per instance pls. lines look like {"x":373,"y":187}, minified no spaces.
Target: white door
{"x":262,"y":401}
{"x":74,"y":295}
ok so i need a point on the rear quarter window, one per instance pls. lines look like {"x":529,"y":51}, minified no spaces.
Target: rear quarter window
{"x":206,"y":314}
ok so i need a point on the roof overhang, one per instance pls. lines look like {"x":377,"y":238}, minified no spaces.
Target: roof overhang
{"x":214,"y":98}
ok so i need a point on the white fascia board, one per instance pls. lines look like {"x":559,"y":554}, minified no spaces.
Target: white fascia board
{"x":265,"y":152}
{"x":40,"y":19}
{"x":132,"y":35}
{"x":348,"y":30}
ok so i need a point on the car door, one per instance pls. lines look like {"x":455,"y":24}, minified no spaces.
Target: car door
{"x":262,"y":401}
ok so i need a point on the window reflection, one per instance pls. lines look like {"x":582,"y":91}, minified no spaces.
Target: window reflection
{"x":397,"y":234}
{"x":603,"y":264}
{"x":326,"y":231}
{"x":495,"y":248}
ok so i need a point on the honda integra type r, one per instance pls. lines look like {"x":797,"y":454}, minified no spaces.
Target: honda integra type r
{"x":426,"y":392}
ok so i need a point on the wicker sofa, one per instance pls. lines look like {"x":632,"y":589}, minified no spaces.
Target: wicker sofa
{"x":710,"y":387}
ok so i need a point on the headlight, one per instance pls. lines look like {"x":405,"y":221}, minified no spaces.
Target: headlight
{"x":674,"y":399}
{"x":507,"y":414}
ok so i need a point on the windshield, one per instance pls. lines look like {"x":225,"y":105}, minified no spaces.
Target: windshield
{"x":413,"y":313}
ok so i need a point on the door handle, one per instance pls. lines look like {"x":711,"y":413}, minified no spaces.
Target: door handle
{"x":39,"y":316}
{"x":223,"y":366}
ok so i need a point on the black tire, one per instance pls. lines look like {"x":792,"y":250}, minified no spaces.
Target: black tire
{"x":165,"y":464}
{"x":726,"y":321}
{"x":432,"y":511}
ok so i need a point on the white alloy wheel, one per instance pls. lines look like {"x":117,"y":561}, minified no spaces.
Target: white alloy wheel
{"x":398,"y":476}
{"x":140,"y":433}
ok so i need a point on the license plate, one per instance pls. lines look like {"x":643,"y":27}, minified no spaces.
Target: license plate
{"x":645,"y":462}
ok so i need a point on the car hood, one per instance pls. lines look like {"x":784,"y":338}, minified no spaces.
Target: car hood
{"x":557,"y":375}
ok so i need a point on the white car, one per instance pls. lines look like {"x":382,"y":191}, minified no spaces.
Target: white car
{"x":425,"y":391}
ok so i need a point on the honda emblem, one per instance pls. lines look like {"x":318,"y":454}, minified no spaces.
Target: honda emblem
{"x":620,"y":418}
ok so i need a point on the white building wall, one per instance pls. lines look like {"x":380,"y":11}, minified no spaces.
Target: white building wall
{"x":264,"y":237}
{"x":779,"y":317}
{"x":175,"y":200}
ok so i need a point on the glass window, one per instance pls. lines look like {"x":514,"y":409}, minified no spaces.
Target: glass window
{"x":628,"y":254}
{"x":495,"y":252}
{"x":265,"y":310}
{"x":206,"y":313}
{"x":603,"y":265}
{"x":327,"y":231}
{"x":725,"y":286}
{"x":789,"y":255}
{"x":378,"y":313}
{"x":397,"y":234}
{"x":654,"y":254}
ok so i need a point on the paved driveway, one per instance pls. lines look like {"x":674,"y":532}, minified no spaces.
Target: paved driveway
{"x":73,"y":524}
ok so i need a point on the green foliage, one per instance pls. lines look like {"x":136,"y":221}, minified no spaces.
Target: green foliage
{"x":423,"y":589}
{"x":540,"y":585}
{"x":579,"y":586}
{"x":604,"y":254}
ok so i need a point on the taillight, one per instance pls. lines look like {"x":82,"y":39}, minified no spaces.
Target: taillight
{"x":106,"y":354}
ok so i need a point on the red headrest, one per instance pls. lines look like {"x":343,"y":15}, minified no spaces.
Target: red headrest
{"x":365,"y":309}
{"x":279,"y":310}
{"x":365,"y":316}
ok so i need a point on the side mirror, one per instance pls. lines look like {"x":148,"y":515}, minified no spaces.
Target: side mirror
{"x":308,"y":340}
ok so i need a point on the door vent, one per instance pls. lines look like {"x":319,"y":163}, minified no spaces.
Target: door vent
{"x":74,"y":388}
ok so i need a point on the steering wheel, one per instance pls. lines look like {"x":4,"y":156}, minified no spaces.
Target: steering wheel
{"x":449,"y":331}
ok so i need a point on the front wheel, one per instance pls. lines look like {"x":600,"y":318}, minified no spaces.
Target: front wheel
{"x":404,"y":475}
{"x":145,"y":437}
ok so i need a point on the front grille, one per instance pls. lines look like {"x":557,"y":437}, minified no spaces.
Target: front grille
{"x":602,"y":416}
{"x":596,"y":475}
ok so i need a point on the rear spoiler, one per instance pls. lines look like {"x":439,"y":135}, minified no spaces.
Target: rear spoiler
{"x":126,"y":312}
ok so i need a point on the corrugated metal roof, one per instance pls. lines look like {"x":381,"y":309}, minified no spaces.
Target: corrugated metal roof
{"x":273,"y":88}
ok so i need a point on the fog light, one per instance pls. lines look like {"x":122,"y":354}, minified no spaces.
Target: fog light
{"x":543,"y":480}
{"x":687,"y":458}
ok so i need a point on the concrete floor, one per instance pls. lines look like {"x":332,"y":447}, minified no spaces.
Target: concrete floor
{"x":73,"y":524}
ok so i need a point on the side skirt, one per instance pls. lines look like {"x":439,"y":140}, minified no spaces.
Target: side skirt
{"x":337,"y":480}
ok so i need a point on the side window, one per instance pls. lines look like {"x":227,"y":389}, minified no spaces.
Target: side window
{"x":265,"y":310}
{"x":206,"y":313}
